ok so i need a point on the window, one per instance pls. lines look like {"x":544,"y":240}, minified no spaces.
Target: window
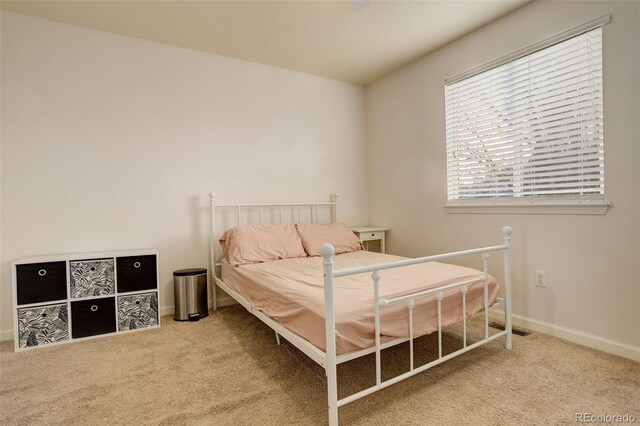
{"x":530,"y":130}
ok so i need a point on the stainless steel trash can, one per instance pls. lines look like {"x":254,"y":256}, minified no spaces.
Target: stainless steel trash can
{"x":190,"y":294}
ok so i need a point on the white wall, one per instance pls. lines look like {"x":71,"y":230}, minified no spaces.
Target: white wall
{"x":111,"y":143}
{"x":94,"y":126}
{"x":592,"y":262}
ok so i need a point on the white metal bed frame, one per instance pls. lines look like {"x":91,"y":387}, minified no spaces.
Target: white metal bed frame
{"x":329,"y":359}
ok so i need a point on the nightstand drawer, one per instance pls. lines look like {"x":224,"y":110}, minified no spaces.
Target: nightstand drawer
{"x":368,"y":236}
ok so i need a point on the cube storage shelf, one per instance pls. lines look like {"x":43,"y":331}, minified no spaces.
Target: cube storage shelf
{"x":61,"y":298}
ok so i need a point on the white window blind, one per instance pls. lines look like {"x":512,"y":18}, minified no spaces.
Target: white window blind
{"x":530,"y":130}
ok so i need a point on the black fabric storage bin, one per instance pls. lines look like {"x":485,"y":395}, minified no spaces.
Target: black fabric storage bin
{"x":135,"y":273}
{"x":41,"y":282}
{"x":93,"y":316}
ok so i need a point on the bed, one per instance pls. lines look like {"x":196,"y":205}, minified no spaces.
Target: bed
{"x":337,"y":302}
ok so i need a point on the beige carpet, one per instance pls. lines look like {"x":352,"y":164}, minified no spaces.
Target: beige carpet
{"x":227,"y":370}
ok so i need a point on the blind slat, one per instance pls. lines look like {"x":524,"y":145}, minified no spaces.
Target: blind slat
{"x":558,"y":163}
{"x":586,"y":126}
{"x":514,"y":87}
{"x":580,"y":143}
{"x":573,"y":180}
{"x":526,"y":106}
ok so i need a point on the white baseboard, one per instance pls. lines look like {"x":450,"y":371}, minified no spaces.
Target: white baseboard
{"x":6,"y":335}
{"x":585,"y":339}
{"x":222,"y":301}
{"x":225,"y":301}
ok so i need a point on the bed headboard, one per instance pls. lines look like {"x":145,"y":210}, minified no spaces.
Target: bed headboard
{"x":226,"y":216}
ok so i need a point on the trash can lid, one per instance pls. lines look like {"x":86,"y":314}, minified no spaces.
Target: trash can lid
{"x":189,"y":271}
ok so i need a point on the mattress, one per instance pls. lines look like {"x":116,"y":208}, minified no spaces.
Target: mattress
{"x":291,"y":291}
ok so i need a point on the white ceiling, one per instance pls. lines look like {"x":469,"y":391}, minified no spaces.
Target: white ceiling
{"x":357,"y":41}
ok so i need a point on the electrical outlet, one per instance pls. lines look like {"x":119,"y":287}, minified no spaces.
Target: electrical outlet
{"x":541,"y":279}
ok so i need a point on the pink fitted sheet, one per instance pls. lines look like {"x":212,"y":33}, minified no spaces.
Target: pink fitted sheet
{"x":291,"y":291}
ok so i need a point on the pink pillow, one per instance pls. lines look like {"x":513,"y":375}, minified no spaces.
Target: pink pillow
{"x":261,"y":243}
{"x":337,"y":234}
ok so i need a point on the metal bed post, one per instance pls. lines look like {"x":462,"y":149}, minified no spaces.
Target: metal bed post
{"x":375,"y":276}
{"x":212,"y":259}
{"x":485,"y":284}
{"x":506,"y":231}
{"x":330,"y":328}
{"x":334,"y":216}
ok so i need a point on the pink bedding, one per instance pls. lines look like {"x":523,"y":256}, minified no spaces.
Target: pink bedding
{"x":291,"y":291}
{"x":261,"y":243}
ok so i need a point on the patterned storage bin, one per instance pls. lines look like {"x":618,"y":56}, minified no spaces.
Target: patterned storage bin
{"x":137,"y":311}
{"x":92,"y":277}
{"x":41,"y":325}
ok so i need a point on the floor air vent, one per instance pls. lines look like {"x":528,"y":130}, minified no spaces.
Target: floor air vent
{"x":515,"y":330}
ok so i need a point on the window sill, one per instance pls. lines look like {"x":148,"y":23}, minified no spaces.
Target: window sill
{"x":516,"y":208}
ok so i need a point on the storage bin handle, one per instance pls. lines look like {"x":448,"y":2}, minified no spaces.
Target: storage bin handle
{"x":94,"y":308}
{"x":42,"y":272}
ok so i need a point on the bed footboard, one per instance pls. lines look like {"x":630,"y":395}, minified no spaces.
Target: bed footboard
{"x":331,"y":358}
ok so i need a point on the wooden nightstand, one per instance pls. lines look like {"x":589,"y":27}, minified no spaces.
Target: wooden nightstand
{"x":371,"y":233}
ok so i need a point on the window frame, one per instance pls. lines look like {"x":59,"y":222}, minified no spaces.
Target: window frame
{"x":529,"y":205}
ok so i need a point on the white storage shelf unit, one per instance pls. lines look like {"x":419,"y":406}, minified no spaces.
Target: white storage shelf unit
{"x":61,"y":298}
